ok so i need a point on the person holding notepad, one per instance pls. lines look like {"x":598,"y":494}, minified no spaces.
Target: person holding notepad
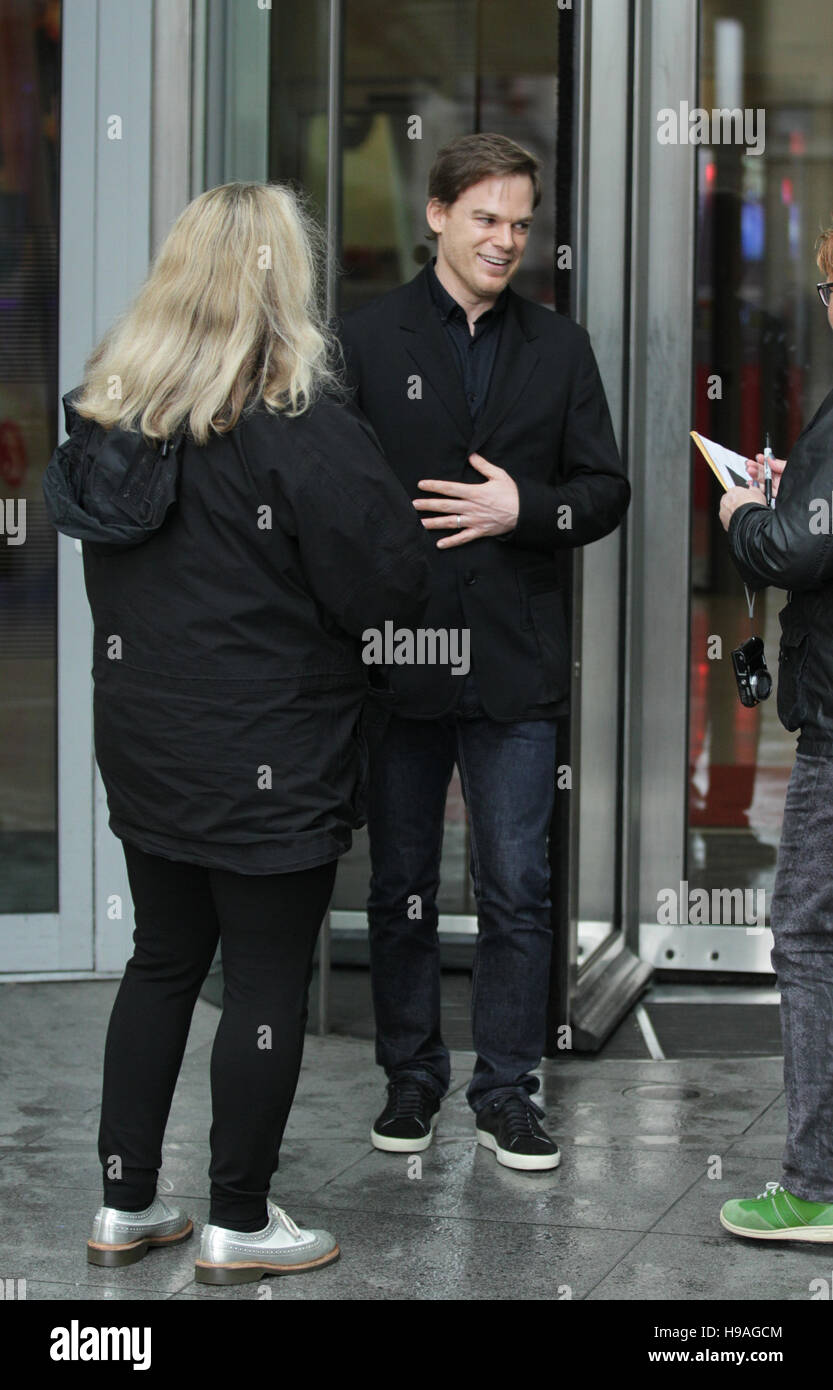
{"x":791,"y":547}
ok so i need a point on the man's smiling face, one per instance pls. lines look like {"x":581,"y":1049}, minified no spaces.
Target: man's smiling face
{"x":481,"y":238}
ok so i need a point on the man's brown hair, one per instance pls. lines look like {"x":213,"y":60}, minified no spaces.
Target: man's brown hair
{"x":467,"y":159}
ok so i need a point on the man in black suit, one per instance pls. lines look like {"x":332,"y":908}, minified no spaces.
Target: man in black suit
{"x":494,"y":406}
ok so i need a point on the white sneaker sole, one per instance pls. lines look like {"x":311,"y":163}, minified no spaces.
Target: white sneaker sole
{"x":404,"y":1146}
{"x":529,"y":1163}
{"x":815,"y":1235}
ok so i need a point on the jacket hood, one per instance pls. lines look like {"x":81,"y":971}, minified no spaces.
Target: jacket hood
{"x":113,"y":487}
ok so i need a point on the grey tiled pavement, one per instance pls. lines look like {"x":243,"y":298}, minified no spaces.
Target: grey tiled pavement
{"x":630,"y":1214}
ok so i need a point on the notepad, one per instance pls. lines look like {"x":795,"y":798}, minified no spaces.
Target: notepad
{"x":728,"y":467}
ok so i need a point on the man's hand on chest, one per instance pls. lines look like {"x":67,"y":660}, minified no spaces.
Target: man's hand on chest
{"x":474,"y":510}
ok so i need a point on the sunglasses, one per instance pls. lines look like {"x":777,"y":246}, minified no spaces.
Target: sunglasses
{"x":824,"y":291}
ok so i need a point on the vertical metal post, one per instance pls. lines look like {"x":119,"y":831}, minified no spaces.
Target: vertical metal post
{"x":324,"y":976}
{"x":335,"y":88}
{"x":170,"y":179}
{"x":661,"y":357}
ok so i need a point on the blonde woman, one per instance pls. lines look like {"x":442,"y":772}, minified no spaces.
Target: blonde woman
{"x":240,"y":532}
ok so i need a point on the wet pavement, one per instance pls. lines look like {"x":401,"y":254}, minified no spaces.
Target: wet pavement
{"x":650,"y":1150}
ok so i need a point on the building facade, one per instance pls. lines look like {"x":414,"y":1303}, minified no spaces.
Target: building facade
{"x":679,"y":234}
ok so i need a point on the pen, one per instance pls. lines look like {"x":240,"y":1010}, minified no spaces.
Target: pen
{"x":767,"y":472}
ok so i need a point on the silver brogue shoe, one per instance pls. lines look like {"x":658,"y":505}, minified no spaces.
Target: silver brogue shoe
{"x":123,"y":1237}
{"x":242,"y":1257}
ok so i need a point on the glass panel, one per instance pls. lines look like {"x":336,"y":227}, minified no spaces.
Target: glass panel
{"x":236,"y":94}
{"x":30,"y":68}
{"x":457,"y":65}
{"x":298,"y":98}
{"x":762,"y":350}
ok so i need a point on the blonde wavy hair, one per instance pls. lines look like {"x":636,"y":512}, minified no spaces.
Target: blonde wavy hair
{"x":228,"y":317}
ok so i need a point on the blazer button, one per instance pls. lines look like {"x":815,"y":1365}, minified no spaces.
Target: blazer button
{"x":470,"y":577}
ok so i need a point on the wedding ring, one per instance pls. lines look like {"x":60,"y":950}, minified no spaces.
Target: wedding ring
{"x":459,"y":521}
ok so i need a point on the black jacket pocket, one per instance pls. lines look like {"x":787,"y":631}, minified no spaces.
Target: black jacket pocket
{"x":792,"y":660}
{"x":547,"y":610}
{"x":536,"y":579}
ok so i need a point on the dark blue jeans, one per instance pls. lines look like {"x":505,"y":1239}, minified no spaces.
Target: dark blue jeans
{"x":507,"y":773}
{"x":801,"y":916}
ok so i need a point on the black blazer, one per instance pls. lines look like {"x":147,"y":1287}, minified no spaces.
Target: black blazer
{"x":546,"y":422}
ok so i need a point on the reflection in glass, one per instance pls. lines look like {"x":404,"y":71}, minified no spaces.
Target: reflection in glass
{"x":762,"y":354}
{"x":416,"y":73}
{"x":30,"y":66}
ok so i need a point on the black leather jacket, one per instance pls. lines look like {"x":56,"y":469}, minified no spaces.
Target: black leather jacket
{"x":791,"y":547}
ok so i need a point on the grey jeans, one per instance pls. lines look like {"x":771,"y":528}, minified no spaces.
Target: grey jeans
{"x":801,"y":916}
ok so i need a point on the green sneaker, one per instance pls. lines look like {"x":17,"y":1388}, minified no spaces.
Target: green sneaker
{"x":777,"y":1214}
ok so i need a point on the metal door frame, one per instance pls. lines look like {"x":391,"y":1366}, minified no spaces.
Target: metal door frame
{"x":104,"y":250}
{"x":661,"y":388}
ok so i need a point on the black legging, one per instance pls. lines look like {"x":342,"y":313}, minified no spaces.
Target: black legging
{"x":267,"y":926}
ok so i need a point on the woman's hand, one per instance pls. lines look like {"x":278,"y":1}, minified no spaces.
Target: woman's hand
{"x":736,"y":497}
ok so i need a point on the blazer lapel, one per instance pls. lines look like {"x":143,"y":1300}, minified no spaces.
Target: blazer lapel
{"x":427,"y":343}
{"x":515,"y":362}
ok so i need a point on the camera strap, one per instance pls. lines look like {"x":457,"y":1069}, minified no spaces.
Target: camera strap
{"x":750,"y":603}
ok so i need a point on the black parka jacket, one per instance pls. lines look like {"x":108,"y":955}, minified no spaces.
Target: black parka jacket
{"x":230,"y":585}
{"x":791,"y":547}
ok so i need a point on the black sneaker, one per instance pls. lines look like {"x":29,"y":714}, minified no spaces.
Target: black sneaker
{"x":508,"y":1126}
{"x":406,"y":1125}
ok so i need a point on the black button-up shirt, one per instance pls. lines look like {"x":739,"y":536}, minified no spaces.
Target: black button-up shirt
{"x":474,"y":352}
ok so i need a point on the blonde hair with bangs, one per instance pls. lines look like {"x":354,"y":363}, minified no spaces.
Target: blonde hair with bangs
{"x":824,"y":252}
{"x":228,"y":317}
